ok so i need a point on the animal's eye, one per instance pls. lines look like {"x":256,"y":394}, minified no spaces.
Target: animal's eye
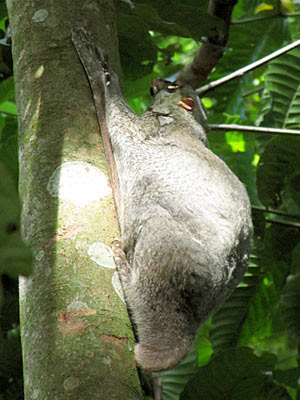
{"x":172,"y":87}
{"x":11,"y":227}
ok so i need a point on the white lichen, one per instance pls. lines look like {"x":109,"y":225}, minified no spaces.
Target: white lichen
{"x":40,"y":255}
{"x":40,"y":15}
{"x":39,"y":72}
{"x":102,"y":255}
{"x":78,"y":182}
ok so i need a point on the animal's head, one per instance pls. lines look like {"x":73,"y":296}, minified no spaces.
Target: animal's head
{"x":178,"y":98}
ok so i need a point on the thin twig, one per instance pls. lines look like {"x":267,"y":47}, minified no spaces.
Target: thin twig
{"x":284,"y":223}
{"x":276,"y":212}
{"x":253,"y":129}
{"x":256,"y":19}
{"x":253,"y":91}
{"x":240,"y":72}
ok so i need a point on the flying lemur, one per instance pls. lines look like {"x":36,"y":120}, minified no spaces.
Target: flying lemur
{"x":184,"y":216}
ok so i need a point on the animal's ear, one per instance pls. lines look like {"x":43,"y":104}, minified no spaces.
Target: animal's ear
{"x":159,"y":84}
{"x":156,"y":86}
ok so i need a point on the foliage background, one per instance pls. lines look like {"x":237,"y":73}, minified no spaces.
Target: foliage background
{"x":250,"y":348}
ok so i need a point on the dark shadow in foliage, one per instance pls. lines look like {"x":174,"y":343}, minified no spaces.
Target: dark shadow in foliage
{"x":11,"y":375}
{"x":236,"y":374}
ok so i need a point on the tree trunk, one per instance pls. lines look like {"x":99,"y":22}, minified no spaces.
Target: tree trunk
{"x":76,"y":335}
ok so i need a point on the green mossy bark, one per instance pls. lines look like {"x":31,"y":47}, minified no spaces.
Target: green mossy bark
{"x":76,"y":336}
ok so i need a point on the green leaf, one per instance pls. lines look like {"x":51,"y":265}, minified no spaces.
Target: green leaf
{"x":3,"y":10}
{"x":137,"y":49}
{"x":263,"y":7}
{"x":203,"y":344}
{"x":148,"y":13}
{"x":262,"y":37}
{"x":188,"y":19}
{"x":290,"y":305}
{"x":278,"y":173}
{"x":279,"y":170}
{"x":15,"y":257}
{"x":263,"y":303}
{"x":227,"y":322}
{"x":286,"y":6}
{"x":282,"y":81}
{"x":252,"y":307}
{"x":287,"y":377}
{"x":9,"y":145}
{"x":295,"y":259}
{"x":174,"y":380}
{"x":273,"y":260}
{"x":7,"y":89}
{"x":249,"y":6}
{"x":2,"y":125}
{"x":8,"y":107}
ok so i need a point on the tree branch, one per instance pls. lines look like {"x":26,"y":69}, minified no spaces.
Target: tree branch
{"x":72,"y":321}
{"x":209,"y":54}
{"x":253,"y":129}
{"x":240,"y":72}
{"x":276,"y":212}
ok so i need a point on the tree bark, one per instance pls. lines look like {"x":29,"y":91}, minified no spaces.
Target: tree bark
{"x":209,"y":53}
{"x":76,"y":336}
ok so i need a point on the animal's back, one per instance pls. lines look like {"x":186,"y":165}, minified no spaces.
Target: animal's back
{"x":187,"y":232}
{"x":192,"y":186}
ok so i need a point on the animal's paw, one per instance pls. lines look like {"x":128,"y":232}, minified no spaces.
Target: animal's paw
{"x":120,"y":259}
{"x":90,"y":54}
{"x":155,"y":360}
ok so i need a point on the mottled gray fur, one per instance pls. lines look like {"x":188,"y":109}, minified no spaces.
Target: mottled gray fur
{"x":184,"y":217}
